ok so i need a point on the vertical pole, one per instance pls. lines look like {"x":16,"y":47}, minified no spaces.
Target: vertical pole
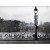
{"x":36,"y":32}
{"x":36,"y":21}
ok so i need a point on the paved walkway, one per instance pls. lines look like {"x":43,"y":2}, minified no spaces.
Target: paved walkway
{"x":24,"y":42}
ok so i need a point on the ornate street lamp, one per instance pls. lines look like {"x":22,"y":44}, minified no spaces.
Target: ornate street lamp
{"x":36,"y":21}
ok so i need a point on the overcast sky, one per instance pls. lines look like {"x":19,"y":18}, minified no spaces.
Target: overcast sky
{"x":25,"y":13}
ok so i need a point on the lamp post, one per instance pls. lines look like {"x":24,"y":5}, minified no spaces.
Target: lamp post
{"x":36,"y":21}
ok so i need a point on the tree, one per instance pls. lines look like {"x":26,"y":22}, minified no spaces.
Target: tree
{"x":47,"y":27}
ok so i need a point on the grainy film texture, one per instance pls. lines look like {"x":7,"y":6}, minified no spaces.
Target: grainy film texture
{"x":25,"y":24}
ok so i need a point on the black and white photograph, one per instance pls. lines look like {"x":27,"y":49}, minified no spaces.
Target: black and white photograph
{"x":24,"y":24}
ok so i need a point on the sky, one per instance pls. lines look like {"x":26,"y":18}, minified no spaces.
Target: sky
{"x":25,"y":13}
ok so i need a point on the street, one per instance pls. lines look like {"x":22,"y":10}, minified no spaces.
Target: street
{"x":24,"y":42}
